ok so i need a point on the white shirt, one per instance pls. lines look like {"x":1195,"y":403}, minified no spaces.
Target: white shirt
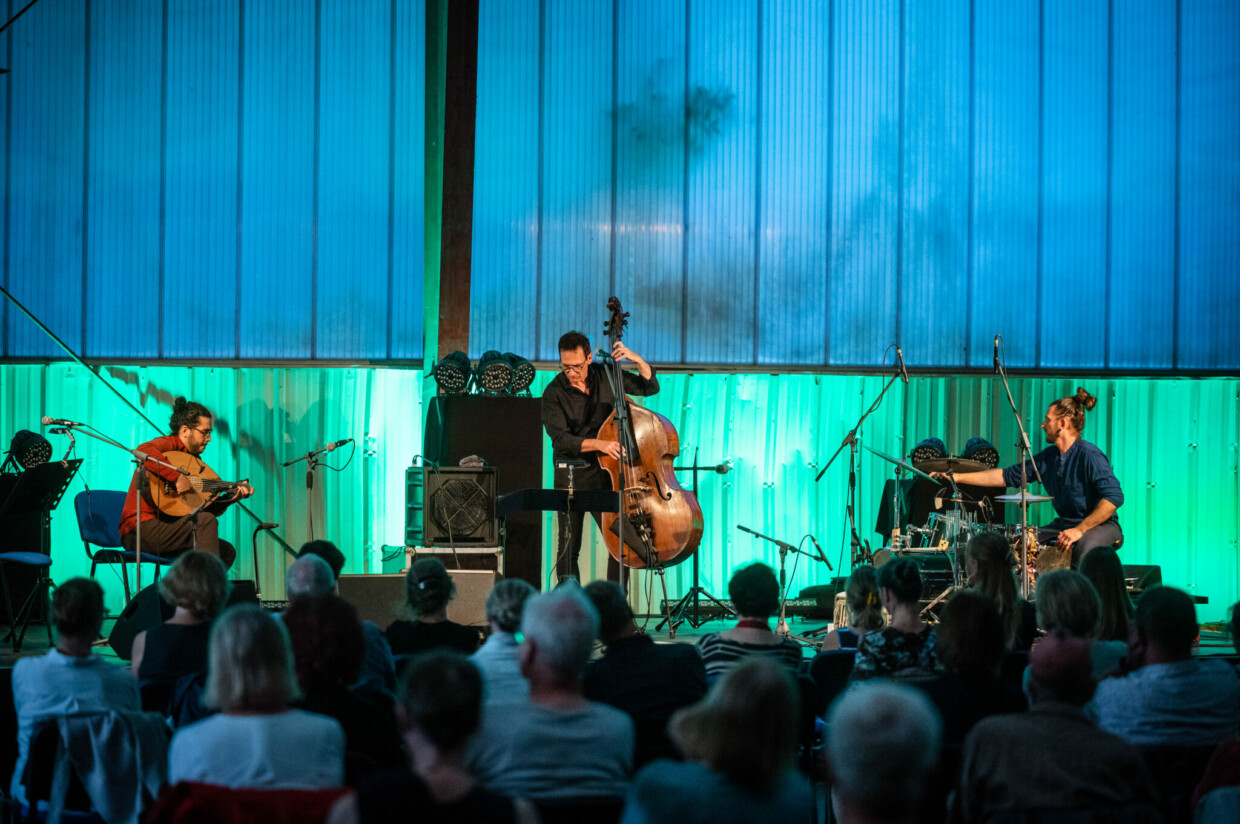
{"x":294,"y":750}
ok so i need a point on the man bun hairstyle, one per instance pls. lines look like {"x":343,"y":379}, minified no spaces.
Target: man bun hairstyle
{"x":429,"y":586}
{"x":1074,"y":407}
{"x":186,"y":413}
{"x":903,"y":578}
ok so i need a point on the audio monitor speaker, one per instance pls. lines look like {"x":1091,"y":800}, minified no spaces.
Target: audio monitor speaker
{"x":380,"y":599}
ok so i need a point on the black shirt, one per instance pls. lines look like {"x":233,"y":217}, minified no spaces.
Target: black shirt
{"x":570,"y":415}
{"x":412,"y":637}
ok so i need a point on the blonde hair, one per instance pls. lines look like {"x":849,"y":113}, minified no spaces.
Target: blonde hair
{"x":197,"y":582}
{"x":865,"y":609}
{"x":250,"y":663}
{"x":1068,"y":601}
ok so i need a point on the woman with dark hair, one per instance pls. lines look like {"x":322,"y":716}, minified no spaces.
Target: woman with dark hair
{"x":988,"y":563}
{"x":740,"y":742}
{"x":1068,"y":603}
{"x":1103,"y":569}
{"x":439,"y":709}
{"x":865,"y":613}
{"x":429,"y":588}
{"x":907,"y":647}
{"x":755,"y":596}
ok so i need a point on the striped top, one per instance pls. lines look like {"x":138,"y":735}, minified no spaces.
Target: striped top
{"x":720,"y":654}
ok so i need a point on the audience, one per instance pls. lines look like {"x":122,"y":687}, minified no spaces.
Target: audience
{"x":1217,"y":797}
{"x":989,"y":564}
{"x":648,"y":681}
{"x":70,"y":679}
{"x":256,"y":740}
{"x":1067,"y":601}
{"x":907,"y":648}
{"x":740,"y":742}
{"x":305,"y":577}
{"x":755,"y":597}
{"x":557,"y":744}
{"x":438,"y":709}
{"x":429,"y":588}
{"x":1051,"y":758}
{"x":1168,"y":697}
{"x":865,"y":613}
{"x":496,"y":659}
{"x":1102,"y":567}
{"x":327,"y":642}
{"x":882,"y":742}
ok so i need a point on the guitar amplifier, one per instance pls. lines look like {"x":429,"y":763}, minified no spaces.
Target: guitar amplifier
{"x":381,"y":599}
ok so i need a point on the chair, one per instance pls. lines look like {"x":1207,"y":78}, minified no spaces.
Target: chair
{"x":190,"y":802}
{"x":99,"y":521}
{"x":38,"y":596}
{"x":829,"y":671}
{"x":579,"y":810}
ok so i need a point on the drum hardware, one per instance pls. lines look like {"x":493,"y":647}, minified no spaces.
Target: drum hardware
{"x":1027,"y":498}
{"x":951,"y":464}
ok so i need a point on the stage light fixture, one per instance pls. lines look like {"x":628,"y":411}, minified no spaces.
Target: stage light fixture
{"x":452,"y":373}
{"x":523,"y":373}
{"x":981,"y":450}
{"x":29,"y":449}
{"x":493,"y":374}
{"x":929,"y":449}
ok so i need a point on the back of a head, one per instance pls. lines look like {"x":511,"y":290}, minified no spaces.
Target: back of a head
{"x":614,"y":614}
{"x":1060,"y":669}
{"x":327,"y":551}
{"x":563,"y":625}
{"x":428,"y":586}
{"x":865,"y":609}
{"x":970,"y":638}
{"x":902,"y":578}
{"x":327,"y":641}
{"x":309,"y":577}
{"x":1068,"y":601}
{"x":249,"y":662}
{"x":995,"y":578}
{"x":1103,"y":568}
{"x":746,"y":726}
{"x":506,"y":602}
{"x":882,"y":741}
{"x":754,"y":591}
{"x":1235,"y":626}
{"x":1168,"y":619}
{"x":440,"y":695}
{"x":197,"y":582}
{"x":77,"y":608}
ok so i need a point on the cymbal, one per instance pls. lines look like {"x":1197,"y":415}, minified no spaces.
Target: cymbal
{"x":951,"y":465}
{"x":1015,"y":499}
{"x":897,"y":462}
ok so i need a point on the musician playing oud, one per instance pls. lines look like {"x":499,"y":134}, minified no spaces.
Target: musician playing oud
{"x":163,"y":535}
{"x":1077,"y":476}
{"x":574,"y":405}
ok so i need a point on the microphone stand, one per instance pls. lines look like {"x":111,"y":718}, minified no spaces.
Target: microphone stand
{"x":1025,"y":454}
{"x":312,"y":464}
{"x":677,"y":613}
{"x":781,"y":628}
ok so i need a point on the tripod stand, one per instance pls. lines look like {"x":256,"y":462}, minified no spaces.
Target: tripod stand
{"x":677,"y":613}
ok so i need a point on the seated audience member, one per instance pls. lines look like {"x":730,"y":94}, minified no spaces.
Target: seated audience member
{"x":755,"y":597}
{"x":1051,"y":758}
{"x":496,"y":659}
{"x":557,"y":744}
{"x":882,"y":741}
{"x":648,"y":681}
{"x":70,"y":679}
{"x":305,"y":577}
{"x":1067,"y":601}
{"x":988,"y":563}
{"x":1223,"y":771}
{"x":971,"y":647}
{"x":429,"y":588}
{"x":256,"y":740}
{"x":197,"y":585}
{"x":326,"y":637}
{"x":740,"y":743}
{"x":908,"y":646}
{"x":1102,"y":567}
{"x":439,"y":708}
{"x":1169,"y":698}
{"x":865,"y":613}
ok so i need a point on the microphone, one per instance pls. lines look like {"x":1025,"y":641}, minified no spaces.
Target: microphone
{"x":59,"y":422}
{"x":996,"y":354}
{"x":334,"y":446}
{"x":723,"y":469}
{"x":903,"y":370}
{"x":266,"y":525}
{"x":603,"y":355}
{"x":822,"y":555}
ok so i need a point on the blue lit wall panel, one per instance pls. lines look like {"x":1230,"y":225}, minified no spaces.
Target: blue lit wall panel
{"x":353,"y":171}
{"x":408,"y":179}
{"x":650,"y":125}
{"x":724,"y":113}
{"x":1143,"y":188}
{"x":794,"y":194}
{"x":1209,"y":293}
{"x":503,"y":294}
{"x":934,"y":238}
{"x":865,"y":182}
{"x":201,"y":180}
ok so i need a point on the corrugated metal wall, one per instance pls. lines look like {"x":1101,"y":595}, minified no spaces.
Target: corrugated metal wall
{"x":1174,"y":445}
{"x":794,"y":182}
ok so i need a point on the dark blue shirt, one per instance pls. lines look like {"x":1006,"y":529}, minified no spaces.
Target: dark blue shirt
{"x":1076,"y":480}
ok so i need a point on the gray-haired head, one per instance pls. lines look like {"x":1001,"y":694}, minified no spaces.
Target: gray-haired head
{"x":506,"y":602}
{"x":882,"y":741}
{"x":562,"y":625}
{"x":309,"y":576}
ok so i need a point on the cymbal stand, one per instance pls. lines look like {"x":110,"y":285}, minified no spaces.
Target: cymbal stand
{"x":678,"y":611}
{"x":1025,"y":455}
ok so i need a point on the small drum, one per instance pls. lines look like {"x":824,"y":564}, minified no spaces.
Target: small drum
{"x":840,"y":616}
{"x":1042,"y":557}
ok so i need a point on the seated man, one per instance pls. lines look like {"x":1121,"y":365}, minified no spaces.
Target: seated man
{"x":557,"y":744}
{"x":70,"y":679}
{"x":648,"y":681}
{"x":1169,"y":697}
{"x":1051,"y":757}
{"x":497,"y":658}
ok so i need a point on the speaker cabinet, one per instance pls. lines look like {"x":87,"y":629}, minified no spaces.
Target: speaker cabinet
{"x":459,"y":507}
{"x":381,"y":598}
{"x":1140,"y":577}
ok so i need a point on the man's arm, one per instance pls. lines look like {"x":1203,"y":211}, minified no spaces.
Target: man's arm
{"x":990,"y":477}
{"x":555,"y":422}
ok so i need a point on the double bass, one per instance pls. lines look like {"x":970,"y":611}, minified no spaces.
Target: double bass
{"x":660,"y":522}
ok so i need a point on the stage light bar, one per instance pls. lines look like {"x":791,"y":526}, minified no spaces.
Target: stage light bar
{"x":523,"y":373}
{"x":493,"y":374}
{"x":29,"y":449}
{"x":452,"y":373}
{"x":981,"y":450}
{"x":929,"y":449}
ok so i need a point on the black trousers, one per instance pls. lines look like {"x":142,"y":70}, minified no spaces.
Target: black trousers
{"x":568,"y":551}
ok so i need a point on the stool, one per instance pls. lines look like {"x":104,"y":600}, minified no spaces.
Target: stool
{"x":42,"y":586}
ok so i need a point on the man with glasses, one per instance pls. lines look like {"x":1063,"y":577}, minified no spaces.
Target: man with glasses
{"x":191,"y":426}
{"x":574,"y":406}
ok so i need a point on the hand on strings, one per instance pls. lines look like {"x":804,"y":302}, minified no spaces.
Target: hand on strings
{"x":183,"y":484}
{"x":243,"y":491}
{"x":611,"y":449}
{"x":622,"y":353}
{"x":1068,"y":537}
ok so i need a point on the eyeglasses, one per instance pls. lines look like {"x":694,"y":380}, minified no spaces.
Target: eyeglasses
{"x":573,"y":367}
{"x":206,"y":433}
